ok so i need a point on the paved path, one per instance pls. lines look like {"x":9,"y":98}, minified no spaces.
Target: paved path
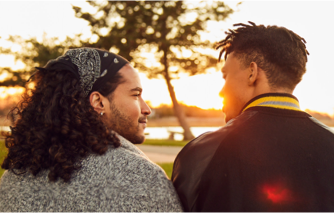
{"x":160,"y":154}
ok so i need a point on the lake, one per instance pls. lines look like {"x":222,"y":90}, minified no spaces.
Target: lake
{"x":164,"y":132}
{"x":161,"y":132}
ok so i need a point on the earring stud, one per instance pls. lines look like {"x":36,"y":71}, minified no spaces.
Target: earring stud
{"x":101,"y":113}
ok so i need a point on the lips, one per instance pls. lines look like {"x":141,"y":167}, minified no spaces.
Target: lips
{"x":143,"y":120}
{"x":143,"y":123}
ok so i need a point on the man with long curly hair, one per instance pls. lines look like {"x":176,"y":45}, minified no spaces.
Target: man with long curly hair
{"x":71,"y":148}
{"x":271,"y":155}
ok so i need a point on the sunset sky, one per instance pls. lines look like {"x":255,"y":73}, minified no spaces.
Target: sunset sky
{"x":312,"y":20}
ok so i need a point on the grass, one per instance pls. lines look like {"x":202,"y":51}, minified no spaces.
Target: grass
{"x":168,"y":167}
{"x":158,"y":142}
{"x":3,"y":153}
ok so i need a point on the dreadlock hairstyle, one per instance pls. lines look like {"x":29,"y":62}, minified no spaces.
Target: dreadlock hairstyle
{"x":57,"y":127}
{"x":280,"y":52}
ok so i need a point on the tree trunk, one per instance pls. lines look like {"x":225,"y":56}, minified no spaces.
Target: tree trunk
{"x":187,"y":134}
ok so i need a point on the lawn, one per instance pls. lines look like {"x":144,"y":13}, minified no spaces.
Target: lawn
{"x":158,"y":142}
{"x":3,"y":153}
{"x":168,"y":167}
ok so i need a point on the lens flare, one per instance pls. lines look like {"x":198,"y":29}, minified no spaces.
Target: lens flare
{"x":277,"y":193}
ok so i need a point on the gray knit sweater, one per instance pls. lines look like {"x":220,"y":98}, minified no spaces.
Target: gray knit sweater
{"x":123,"y":179}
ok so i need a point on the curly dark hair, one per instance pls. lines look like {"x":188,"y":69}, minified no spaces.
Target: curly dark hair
{"x":280,"y":52}
{"x":57,"y":126}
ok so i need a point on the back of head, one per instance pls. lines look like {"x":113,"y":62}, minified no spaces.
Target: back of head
{"x":280,"y":52}
{"x":56,"y":123}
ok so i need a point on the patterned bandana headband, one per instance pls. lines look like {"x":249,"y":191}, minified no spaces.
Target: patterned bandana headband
{"x":93,"y":67}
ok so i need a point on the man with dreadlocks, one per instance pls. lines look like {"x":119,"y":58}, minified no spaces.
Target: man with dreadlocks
{"x":71,"y":149}
{"x":270,"y":156}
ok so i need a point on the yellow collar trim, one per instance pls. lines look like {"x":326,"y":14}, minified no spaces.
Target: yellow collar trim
{"x":275,"y":102}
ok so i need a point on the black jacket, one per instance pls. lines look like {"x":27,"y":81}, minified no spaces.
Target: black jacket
{"x":266,"y":159}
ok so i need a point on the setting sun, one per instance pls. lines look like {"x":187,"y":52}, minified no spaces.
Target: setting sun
{"x":200,"y":90}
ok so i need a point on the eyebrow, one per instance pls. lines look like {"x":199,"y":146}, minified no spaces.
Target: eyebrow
{"x":138,"y":89}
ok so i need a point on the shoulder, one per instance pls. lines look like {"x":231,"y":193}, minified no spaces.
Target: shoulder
{"x":127,"y":174}
{"x":122,"y":179}
{"x":322,"y":126}
{"x":126,"y":158}
{"x":193,"y":159}
{"x":206,"y":144}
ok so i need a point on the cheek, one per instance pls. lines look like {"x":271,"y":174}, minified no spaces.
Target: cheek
{"x":131,"y":108}
{"x":231,"y":93}
{"x":228,"y":90}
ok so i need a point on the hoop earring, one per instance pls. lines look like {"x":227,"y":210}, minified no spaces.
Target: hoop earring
{"x":101,"y":113}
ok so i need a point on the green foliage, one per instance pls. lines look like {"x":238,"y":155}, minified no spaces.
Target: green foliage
{"x":163,"y":110}
{"x":33,"y":53}
{"x":190,"y":111}
{"x":168,"y":167}
{"x":3,"y":154}
{"x":158,"y":142}
{"x":162,"y":27}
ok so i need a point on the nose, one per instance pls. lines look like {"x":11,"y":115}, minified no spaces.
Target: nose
{"x":145,"y":109}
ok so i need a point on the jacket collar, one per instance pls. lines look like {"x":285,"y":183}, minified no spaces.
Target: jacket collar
{"x":274,"y":100}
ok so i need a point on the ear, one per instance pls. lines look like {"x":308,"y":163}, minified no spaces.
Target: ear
{"x":96,"y":101}
{"x":253,"y":73}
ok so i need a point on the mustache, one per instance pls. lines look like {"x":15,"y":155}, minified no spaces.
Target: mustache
{"x":142,"y":119}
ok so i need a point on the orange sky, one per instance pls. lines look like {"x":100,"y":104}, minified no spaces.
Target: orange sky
{"x":312,"y":20}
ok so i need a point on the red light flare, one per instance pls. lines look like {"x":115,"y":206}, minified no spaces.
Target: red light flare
{"x":277,"y":193}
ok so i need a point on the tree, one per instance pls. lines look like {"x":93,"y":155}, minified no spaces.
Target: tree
{"x":168,"y":29}
{"x":33,"y":53}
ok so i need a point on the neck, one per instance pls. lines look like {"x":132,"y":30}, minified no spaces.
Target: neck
{"x":267,"y":89}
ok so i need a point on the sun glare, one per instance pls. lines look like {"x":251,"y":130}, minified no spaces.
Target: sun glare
{"x":3,"y":76}
{"x":199,"y":90}
{"x":9,"y":61}
{"x":7,"y":91}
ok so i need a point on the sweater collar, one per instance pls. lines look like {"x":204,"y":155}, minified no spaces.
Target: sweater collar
{"x":274,"y":100}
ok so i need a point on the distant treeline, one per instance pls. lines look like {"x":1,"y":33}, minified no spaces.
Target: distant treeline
{"x":165,"y":110}
{"x":319,"y":115}
{"x":7,"y":103}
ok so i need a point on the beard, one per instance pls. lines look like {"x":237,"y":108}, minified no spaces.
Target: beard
{"x":124,"y":126}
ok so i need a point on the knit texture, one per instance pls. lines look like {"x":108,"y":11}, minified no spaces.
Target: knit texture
{"x":121,"y":180}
